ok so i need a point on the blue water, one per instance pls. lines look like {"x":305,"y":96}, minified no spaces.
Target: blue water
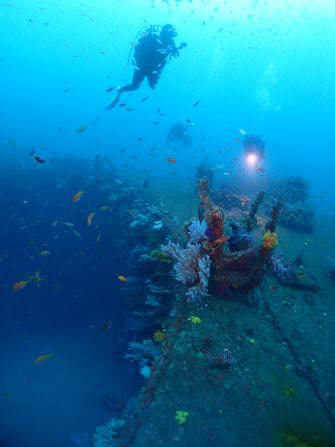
{"x":62,"y":315}
{"x":263,"y":66}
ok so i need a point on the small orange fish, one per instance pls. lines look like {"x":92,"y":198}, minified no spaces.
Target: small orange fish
{"x":42,"y":358}
{"x":82,"y":129}
{"x":171,"y":160}
{"x":122,"y":278}
{"x":90,"y":219}
{"x":77,"y":196}
{"x":19,"y":285}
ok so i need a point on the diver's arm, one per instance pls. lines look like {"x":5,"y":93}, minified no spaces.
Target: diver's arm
{"x":182,"y":45}
{"x":174,"y":52}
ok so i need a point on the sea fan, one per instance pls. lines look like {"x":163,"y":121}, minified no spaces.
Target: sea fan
{"x":107,"y":435}
{"x":196,"y":293}
{"x":142,"y":352}
{"x":191,"y":268}
{"x":186,"y":261}
{"x":197,"y":231}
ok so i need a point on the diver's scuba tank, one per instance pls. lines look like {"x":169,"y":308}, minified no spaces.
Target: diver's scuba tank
{"x":144,"y":31}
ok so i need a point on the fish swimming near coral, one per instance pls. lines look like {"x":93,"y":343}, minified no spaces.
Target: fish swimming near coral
{"x":77,"y":196}
{"x":82,"y":129}
{"x":42,"y":358}
{"x":19,"y":285}
{"x":69,"y":224}
{"x":37,"y":158}
{"x":122,"y":278}
{"x":90,"y":219}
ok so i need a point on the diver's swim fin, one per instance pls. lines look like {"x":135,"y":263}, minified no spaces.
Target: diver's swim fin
{"x":115,"y":100}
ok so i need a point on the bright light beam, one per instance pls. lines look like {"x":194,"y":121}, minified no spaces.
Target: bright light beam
{"x":252,"y":159}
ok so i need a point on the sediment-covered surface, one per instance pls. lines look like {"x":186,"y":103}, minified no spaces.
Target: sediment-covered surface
{"x":249,"y":376}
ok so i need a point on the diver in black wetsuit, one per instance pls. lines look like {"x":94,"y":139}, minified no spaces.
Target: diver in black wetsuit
{"x":151,"y":53}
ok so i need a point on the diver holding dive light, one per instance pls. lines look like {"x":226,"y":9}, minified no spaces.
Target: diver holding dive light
{"x":254,"y":147}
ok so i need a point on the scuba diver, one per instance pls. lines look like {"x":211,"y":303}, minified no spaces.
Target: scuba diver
{"x":151,"y":53}
{"x":178,"y":132}
{"x":254,"y":147}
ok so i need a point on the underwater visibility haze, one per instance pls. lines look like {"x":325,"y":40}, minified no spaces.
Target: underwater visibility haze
{"x":167,"y":266}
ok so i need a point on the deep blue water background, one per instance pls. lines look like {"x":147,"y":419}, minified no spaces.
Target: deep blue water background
{"x":43,"y":404}
{"x":264,"y":66}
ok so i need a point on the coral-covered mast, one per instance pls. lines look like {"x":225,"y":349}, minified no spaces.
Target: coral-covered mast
{"x":213,"y":215}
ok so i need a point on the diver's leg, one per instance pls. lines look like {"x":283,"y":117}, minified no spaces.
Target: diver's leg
{"x":138,"y":78}
{"x":116,"y":99}
{"x":153,"y":78}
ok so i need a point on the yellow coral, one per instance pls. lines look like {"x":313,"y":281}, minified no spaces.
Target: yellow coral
{"x":181,"y":417}
{"x":270,"y":240}
{"x":195,"y":320}
{"x":159,"y":336}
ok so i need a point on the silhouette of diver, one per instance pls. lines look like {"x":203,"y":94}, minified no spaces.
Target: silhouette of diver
{"x":152,"y":52}
{"x":178,"y":132}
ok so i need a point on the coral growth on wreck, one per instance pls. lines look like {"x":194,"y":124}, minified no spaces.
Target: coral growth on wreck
{"x":270,"y":240}
{"x":191,"y":266}
{"x":197,"y":231}
{"x":107,"y":435}
{"x":142,"y":353}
